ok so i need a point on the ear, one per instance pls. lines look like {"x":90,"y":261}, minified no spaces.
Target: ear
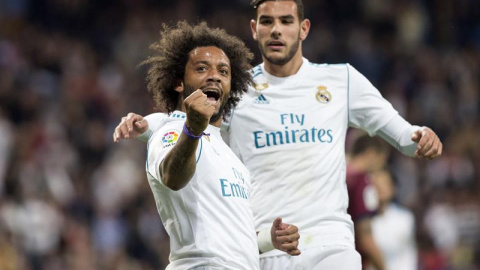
{"x":304,"y":29}
{"x":179,"y":87}
{"x":253,"y":27}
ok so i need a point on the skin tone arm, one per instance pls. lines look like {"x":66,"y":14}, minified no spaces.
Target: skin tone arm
{"x":179,"y":165}
{"x":366,"y":243}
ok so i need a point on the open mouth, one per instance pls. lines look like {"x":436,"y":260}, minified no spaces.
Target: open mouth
{"x":213,"y":95}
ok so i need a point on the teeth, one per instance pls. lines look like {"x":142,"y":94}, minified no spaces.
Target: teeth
{"x":212,"y":101}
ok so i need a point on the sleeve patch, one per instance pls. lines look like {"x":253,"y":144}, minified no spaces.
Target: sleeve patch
{"x":170,"y":138}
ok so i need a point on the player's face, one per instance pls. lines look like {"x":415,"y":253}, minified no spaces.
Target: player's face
{"x":279,"y":31}
{"x":208,"y":69}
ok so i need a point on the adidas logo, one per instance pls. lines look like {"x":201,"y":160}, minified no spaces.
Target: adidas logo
{"x":261,"y":100}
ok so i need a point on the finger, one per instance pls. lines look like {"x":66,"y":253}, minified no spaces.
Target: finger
{"x":197,"y":97}
{"x":288,"y":238}
{"x":288,"y":247}
{"x":426,"y":145}
{"x":276,"y":223}
{"x":115,"y":136}
{"x":295,"y":252}
{"x":196,"y":101}
{"x":416,"y":136}
{"x":129,"y":122}
{"x":435,"y":151}
{"x":133,"y":118}
{"x":123,"y":130}
{"x":141,"y":125}
{"x":287,"y":230}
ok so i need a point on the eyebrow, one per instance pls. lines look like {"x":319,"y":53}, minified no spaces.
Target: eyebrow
{"x":281,"y":17}
{"x":222,"y":64}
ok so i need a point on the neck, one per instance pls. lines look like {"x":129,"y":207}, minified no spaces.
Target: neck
{"x":217,"y":123}
{"x":288,"y":69}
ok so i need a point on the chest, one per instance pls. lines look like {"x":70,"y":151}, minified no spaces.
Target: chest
{"x":220,"y":173}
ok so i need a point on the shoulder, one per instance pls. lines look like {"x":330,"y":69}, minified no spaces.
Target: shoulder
{"x":328,"y":71}
{"x":166,"y":134}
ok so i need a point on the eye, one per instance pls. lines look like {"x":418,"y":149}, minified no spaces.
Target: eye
{"x":201,"y":68}
{"x":265,"y":21}
{"x":223,"y":72}
{"x":287,"y":21}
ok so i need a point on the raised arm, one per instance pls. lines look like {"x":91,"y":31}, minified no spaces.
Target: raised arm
{"x":179,"y":165}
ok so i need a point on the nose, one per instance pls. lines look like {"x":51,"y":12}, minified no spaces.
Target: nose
{"x":276,"y":29}
{"x":213,"y":76}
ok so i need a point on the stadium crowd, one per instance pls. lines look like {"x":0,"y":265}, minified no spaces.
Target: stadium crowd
{"x":72,"y":199}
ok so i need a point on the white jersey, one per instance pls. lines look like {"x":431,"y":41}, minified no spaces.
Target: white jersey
{"x":290,"y":133}
{"x":394,"y":233}
{"x":209,"y":221}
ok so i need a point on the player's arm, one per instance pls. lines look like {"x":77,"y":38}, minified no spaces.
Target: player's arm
{"x":414,"y":141}
{"x":281,"y":236}
{"x":179,"y":165}
{"x":135,"y":126}
{"x":370,"y":111}
{"x":366,"y":243}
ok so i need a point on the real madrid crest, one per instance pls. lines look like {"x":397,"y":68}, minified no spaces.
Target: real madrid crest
{"x":322,"y":95}
{"x":260,"y":86}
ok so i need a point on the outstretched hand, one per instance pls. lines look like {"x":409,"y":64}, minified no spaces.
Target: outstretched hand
{"x":285,"y":237}
{"x":429,"y":145}
{"x":131,"y":126}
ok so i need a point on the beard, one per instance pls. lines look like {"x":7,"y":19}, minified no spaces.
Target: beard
{"x":282,"y":60}
{"x":188,"y":90}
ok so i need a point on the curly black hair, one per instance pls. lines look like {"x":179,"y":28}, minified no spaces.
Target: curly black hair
{"x":168,"y":67}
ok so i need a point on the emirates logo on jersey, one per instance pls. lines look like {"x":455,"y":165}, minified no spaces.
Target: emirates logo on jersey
{"x":322,"y":95}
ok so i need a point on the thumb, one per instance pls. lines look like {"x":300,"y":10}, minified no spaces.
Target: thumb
{"x":277,"y":222}
{"x":416,"y":136}
{"x":141,"y":125}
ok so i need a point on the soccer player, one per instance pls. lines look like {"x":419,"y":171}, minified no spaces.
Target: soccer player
{"x":394,"y":226}
{"x":202,"y":190}
{"x":289,"y":130}
{"x":367,"y":155}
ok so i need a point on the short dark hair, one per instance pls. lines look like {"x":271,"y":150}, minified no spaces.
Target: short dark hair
{"x":167,"y":68}
{"x":300,"y":9}
{"x":364,"y":142}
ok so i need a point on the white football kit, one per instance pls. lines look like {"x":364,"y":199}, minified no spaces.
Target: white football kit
{"x":290,"y":134}
{"x":209,"y":221}
{"x":394,"y":233}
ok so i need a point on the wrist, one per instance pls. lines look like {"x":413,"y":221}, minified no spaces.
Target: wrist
{"x":191,"y":135}
{"x":264,"y":241}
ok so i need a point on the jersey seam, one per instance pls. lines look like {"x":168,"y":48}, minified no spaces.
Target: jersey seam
{"x":348,"y":95}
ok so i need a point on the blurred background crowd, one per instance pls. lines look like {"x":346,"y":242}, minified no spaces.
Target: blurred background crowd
{"x":72,"y":199}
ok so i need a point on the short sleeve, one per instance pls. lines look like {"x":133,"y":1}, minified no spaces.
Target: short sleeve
{"x":160,"y":143}
{"x":154,"y":120}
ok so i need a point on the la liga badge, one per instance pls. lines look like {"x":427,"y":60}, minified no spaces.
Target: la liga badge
{"x":170,"y":138}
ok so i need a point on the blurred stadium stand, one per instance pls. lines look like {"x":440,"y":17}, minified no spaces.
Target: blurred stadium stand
{"x":71,"y":199}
